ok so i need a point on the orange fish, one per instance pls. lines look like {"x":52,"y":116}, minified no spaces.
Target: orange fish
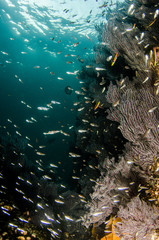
{"x":114,"y":60}
{"x":52,"y":73}
{"x":97,"y":105}
{"x":155,"y":58}
{"x":151,"y":23}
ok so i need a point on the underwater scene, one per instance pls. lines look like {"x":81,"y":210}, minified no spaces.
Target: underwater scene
{"x":79,"y":119}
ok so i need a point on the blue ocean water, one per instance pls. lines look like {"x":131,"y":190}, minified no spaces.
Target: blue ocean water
{"x":31,"y":63}
{"x":43,"y":46}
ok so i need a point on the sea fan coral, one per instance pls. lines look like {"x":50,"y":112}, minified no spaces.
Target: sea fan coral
{"x":139,"y":220}
{"x":138,"y":122}
{"x":127,"y":38}
{"x":118,"y":182}
{"x":124,"y":43}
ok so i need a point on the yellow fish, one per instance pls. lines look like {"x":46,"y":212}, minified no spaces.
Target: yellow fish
{"x":114,"y":60}
{"x":97,"y":105}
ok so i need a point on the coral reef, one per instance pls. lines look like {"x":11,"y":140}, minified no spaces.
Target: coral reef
{"x":126,"y":93}
{"x":116,"y":186}
{"x":138,"y":220}
{"x":138,"y":122}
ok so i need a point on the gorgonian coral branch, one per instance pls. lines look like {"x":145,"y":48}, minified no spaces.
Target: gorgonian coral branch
{"x":139,"y":220}
{"x":137,"y":114}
